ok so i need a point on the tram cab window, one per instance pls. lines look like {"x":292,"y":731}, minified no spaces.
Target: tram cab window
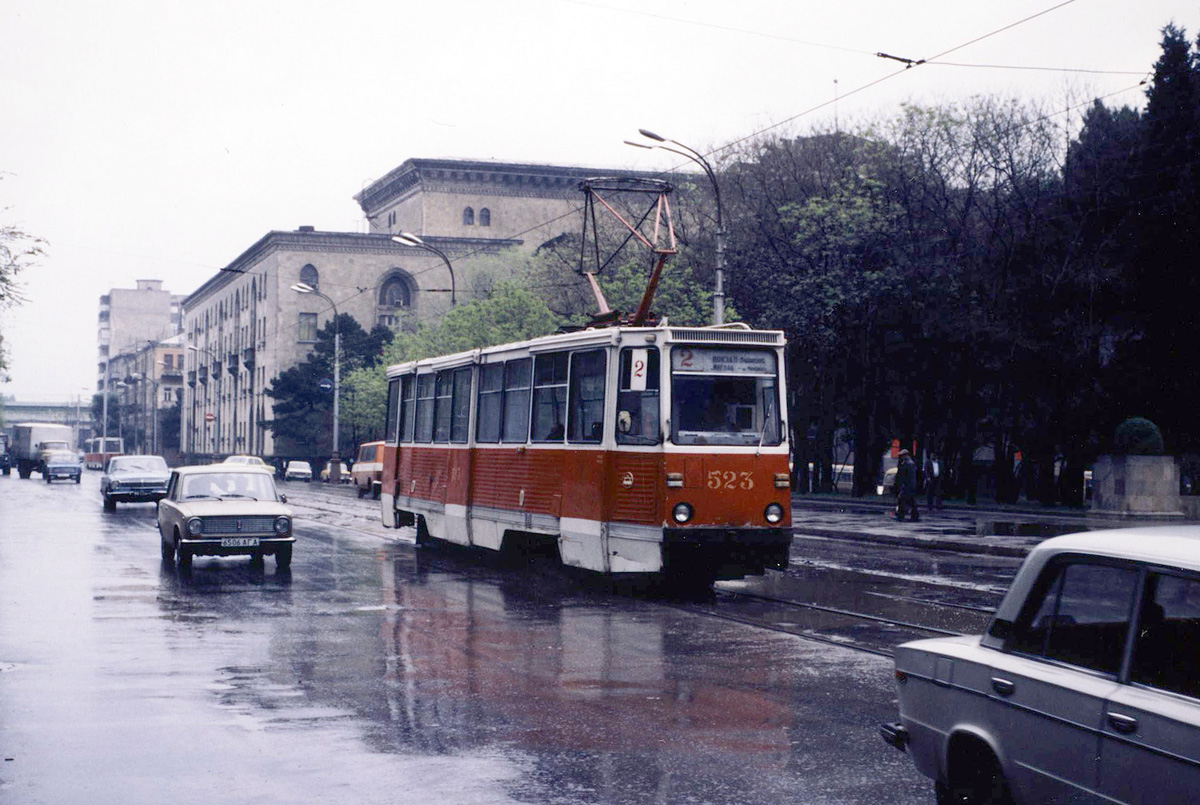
{"x":489,"y":410}
{"x":517,"y":376}
{"x":586,"y":419}
{"x":393,"y":411}
{"x":550,"y":397}
{"x":724,"y":396}
{"x":425,"y":401}
{"x":638,"y":397}
{"x":408,"y":407}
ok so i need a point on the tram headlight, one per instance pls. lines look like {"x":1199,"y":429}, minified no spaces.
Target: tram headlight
{"x":682,"y":512}
{"x":773,"y":513}
{"x":195,"y":527}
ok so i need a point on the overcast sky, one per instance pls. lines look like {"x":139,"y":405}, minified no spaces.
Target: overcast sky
{"x":158,"y":140}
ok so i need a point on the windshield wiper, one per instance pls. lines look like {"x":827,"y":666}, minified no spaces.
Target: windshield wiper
{"x":200,"y":497}
{"x":237,"y":495}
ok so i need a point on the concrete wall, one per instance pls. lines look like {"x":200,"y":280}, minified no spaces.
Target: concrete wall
{"x":1136,"y":485}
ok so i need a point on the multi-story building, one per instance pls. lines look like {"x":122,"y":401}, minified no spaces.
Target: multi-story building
{"x":132,"y":317}
{"x":244,"y":326}
{"x":146,"y":384}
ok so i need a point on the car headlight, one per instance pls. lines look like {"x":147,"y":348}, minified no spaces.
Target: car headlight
{"x":682,"y":512}
{"x":195,"y":527}
{"x":773,"y":513}
{"x":282,"y":525}
{"x":115,"y":485}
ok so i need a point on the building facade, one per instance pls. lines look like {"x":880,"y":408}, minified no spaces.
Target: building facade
{"x":146,"y":385}
{"x":245,"y":325}
{"x":130,"y":318}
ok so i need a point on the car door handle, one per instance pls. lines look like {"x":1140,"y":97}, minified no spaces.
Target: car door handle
{"x":1003,"y":686}
{"x":1122,"y":724}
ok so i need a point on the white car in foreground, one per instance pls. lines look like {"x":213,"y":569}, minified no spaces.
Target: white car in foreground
{"x":1086,"y":687}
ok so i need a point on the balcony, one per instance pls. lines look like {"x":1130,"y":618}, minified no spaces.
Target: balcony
{"x":248,"y":357}
{"x":216,"y":369}
{"x":203,"y":374}
{"x":233,"y":363}
{"x":191,"y":381}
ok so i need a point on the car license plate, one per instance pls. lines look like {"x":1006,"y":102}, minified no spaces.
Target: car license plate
{"x":239,"y":542}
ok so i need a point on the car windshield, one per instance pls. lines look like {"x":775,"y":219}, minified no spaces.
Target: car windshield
{"x":300,"y":466}
{"x":724,"y":396}
{"x":137,"y":464}
{"x":61,"y":457}
{"x":224,"y":485}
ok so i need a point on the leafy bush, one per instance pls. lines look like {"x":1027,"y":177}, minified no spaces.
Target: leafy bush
{"x":1138,"y":437}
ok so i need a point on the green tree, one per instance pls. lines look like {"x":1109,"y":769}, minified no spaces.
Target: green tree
{"x":19,"y":250}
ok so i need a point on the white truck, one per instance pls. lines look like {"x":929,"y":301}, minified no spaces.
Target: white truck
{"x":31,"y":440}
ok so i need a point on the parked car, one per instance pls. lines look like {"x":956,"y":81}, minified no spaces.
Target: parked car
{"x":134,"y":479}
{"x":253,"y":461}
{"x":343,"y":477}
{"x":1086,"y":686}
{"x":224,"y":510}
{"x":63,"y":465}
{"x":297,"y":471}
{"x":368,"y":470}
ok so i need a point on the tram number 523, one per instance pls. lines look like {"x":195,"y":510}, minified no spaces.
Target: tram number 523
{"x":728,"y":479}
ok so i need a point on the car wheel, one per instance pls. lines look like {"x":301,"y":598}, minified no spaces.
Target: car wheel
{"x":975,"y":779}
{"x":78,"y":478}
{"x":47,"y":479}
{"x":110,"y":504}
{"x":167,"y":550}
{"x":283,"y":557}
{"x":361,"y":493}
{"x":183,"y":555}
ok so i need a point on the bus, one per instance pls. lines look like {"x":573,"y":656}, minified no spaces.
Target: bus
{"x":626,"y":450}
{"x":97,"y":452}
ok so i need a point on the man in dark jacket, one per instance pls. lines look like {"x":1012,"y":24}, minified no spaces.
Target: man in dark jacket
{"x":906,"y":486}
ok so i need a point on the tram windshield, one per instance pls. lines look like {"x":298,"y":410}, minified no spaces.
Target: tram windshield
{"x":724,"y":396}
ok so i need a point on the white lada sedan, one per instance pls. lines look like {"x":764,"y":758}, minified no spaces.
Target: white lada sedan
{"x":223,"y":510}
{"x":1086,"y":687}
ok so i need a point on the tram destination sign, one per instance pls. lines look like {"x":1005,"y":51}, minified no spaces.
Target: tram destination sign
{"x":723,"y":361}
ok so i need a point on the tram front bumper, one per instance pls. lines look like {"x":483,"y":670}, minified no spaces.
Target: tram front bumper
{"x":736,"y":551}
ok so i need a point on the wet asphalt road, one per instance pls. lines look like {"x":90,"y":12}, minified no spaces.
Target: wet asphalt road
{"x":372,"y":672}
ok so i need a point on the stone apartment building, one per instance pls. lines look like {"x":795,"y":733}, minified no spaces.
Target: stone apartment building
{"x":129,"y":318}
{"x":245,"y":325}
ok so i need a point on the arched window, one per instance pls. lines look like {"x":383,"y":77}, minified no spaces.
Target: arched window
{"x":485,"y":217}
{"x":468,"y":216}
{"x":309,"y":276}
{"x":393,"y":294}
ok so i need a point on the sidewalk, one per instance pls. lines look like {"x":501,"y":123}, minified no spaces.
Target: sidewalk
{"x":994,"y":529}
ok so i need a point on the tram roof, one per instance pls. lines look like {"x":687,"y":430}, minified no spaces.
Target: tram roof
{"x":737,"y":334}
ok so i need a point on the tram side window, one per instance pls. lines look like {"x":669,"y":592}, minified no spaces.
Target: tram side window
{"x":549,"y":397}
{"x":408,"y":407}
{"x":442,"y":407}
{"x":460,"y":411}
{"x":490,"y":408}
{"x":425,"y":400}
{"x":516,"y":400}
{"x":586,"y":418}
{"x":393,"y":411}
{"x":638,"y":397}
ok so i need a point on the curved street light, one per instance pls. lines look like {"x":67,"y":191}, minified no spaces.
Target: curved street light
{"x":698,"y":158}
{"x":409,"y":239}
{"x":335,"y":471}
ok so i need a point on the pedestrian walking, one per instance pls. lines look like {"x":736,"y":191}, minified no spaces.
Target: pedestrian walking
{"x":906,"y":487}
{"x":933,"y":481}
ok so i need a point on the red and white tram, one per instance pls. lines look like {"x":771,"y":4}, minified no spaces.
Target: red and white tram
{"x":98,"y":450}
{"x":633,"y":449}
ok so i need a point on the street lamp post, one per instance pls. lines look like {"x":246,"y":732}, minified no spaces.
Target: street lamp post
{"x":216,"y":416}
{"x":335,"y":470}
{"x":695,"y":156}
{"x":409,"y":239}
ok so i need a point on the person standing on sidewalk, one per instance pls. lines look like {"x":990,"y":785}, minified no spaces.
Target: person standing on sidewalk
{"x":933,"y":481}
{"x":906,"y":487}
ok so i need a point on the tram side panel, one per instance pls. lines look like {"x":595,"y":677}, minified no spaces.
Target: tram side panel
{"x":635,"y":513}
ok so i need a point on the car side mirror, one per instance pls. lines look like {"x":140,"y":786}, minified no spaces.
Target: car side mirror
{"x":283,"y":498}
